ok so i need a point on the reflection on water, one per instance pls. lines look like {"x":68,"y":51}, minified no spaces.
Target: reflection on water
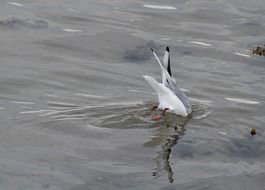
{"x":72,"y":96}
{"x":128,"y":115}
{"x":166,"y":136}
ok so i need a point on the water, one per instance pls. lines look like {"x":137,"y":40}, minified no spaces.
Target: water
{"x":73,"y":100}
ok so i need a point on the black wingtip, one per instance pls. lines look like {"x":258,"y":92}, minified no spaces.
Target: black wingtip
{"x":152,"y":49}
{"x":167,"y":48}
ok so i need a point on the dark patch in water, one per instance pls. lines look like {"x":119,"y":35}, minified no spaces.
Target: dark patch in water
{"x":167,"y":137}
{"x":248,"y":147}
{"x":142,"y":52}
{"x":27,"y":23}
{"x":251,"y":24}
{"x":110,"y":46}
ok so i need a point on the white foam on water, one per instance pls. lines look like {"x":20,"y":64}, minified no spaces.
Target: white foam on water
{"x":35,"y":111}
{"x":24,"y":103}
{"x":2,"y":108}
{"x":201,"y":43}
{"x":241,"y":54}
{"x":71,"y":30}
{"x":165,"y":7}
{"x":50,"y":113}
{"x":15,"y":4}
{"x":221,"y":132}
{"x":51,"y":95}
{"x":243,"y":101}
{"x":90,"y":96}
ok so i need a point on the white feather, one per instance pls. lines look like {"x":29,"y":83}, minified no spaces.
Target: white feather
{"x":169,"y":95}
{"x":167,"y":99}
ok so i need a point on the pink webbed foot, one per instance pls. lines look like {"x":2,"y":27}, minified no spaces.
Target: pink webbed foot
{"x":156,"y":118}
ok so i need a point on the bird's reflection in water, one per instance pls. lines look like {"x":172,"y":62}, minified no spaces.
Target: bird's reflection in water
{"x":166,"y":136}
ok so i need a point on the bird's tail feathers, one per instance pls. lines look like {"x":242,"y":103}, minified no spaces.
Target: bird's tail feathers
{"x":164,"y":70}
{"x":158,"y":87}
{"x":151,"y":81}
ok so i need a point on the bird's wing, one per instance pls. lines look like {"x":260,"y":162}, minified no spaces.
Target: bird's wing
{"x":181,"y":95}
{"x":167,"y":61}
{"x":164,"y":73}
{"x":170,"y":82}
{"x":166,"y":64}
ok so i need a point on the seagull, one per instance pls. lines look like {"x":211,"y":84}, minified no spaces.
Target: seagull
{"x":170,"y":97}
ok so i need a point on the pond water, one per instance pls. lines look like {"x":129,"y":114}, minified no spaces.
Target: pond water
{"x":73,"y":99}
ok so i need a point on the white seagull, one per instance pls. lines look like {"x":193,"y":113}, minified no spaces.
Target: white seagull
{"x":170,"y":97}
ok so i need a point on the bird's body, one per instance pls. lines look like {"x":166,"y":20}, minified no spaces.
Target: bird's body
{"x":169,"y":95}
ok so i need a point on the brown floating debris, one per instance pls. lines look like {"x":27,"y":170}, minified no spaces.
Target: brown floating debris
{"x":253,"y":131}
{"x":259,"y":51}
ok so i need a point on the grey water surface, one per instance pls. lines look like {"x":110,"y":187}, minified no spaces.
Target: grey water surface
{"x":73,"y":100}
